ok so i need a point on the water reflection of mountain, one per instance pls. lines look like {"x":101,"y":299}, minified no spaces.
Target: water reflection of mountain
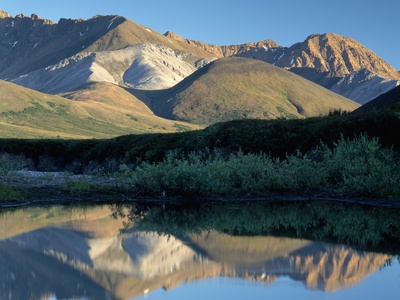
{"x":87,"y":256}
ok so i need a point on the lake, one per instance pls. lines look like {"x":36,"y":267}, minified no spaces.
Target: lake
{"x":215,"y":251}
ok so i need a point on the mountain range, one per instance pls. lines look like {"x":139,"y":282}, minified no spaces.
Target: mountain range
{"x":117,"y":71}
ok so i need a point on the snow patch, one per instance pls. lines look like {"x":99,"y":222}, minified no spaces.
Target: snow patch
{"x":266,"y":49}
{"x":109,"y":25}
{"x":15,"y":43}
{"x":292,"y":61}
{"x":87,"y":28}
{"x":148,"y":30}
{"x":279,"y":58}
{"x":81,"y":34}
{"x":35,"y":46}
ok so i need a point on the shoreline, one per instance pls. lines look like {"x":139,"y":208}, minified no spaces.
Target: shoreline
{"x":51,"y":188}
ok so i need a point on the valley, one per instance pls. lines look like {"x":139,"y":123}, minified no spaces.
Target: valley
{"x":107,"y":96}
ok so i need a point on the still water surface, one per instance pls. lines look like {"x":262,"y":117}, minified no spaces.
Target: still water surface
{"x":80,"y":253}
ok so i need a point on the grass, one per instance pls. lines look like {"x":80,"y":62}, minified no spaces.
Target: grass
{"x":99,"y":110}
{"x":80,"y":187}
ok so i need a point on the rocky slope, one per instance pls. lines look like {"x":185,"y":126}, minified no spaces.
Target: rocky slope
{"x":142,"y":66}
{"x":32,"y":43}
{"x":388,"y":100}
{"x":224,"y":51}
{"x":363,"y":86}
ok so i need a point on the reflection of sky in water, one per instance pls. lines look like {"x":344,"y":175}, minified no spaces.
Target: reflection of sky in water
{"x":383,"y":284}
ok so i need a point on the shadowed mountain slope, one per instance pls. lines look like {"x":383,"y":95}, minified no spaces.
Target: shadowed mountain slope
{"x":237,"y":88}
{"x":364,"y":86}
{"x":388,"y":100}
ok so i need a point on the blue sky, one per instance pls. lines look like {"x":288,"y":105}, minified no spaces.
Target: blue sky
{"x":375,"y":24}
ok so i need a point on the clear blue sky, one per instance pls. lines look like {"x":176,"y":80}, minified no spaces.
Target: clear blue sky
{"x":376,"y":24}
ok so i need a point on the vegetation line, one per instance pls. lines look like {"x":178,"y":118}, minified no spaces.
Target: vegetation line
{"x":353,"y":168}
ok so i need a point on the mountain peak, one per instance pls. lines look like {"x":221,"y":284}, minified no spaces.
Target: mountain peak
{"x":173,"y":35}
{"x":22,"y":17}
{"x":322,"y":35}
{"x":337,"y":56}
{"x":223,"y":51}
{"x":4,"y":14}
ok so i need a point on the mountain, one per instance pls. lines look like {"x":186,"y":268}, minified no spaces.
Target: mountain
{"x":327,"y":59}
{"x":32,"y":43}
{"x":174,"y":76}
{"x":101,"y":110}
{"x":237,"y":88}
{"x":334,"y":55}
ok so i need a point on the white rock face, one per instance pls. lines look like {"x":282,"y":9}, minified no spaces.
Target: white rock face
{"x":364,"y":86}
{"x":142,"y":66}
{"x":156,"y":67}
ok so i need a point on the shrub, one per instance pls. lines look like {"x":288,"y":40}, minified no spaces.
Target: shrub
{"x":12,"y":162}
{"x":361,"y":167}
{"x":357,"y":167}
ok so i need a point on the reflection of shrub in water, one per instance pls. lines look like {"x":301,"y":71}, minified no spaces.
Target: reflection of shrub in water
{"x":361,"y":226}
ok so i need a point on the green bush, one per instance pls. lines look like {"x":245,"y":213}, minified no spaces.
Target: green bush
{"x":353,"y":168}
{"x":13,"y":162}
{"x":361,"y":167}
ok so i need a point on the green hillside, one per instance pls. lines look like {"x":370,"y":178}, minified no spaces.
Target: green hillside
{"x":238,"y":88}
{"x":99,"y":111}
